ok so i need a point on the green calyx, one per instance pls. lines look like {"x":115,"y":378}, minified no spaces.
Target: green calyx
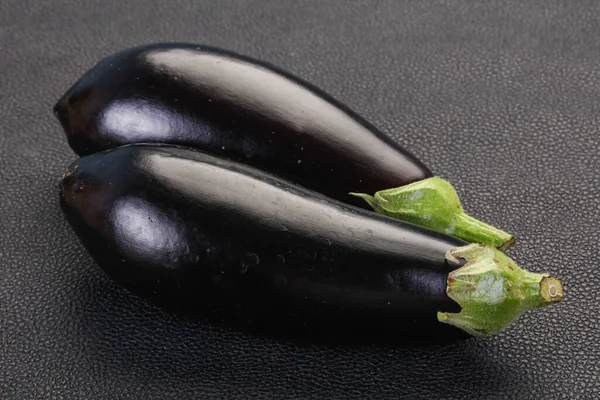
{"x":434,"y":204}
{"x":493,"y":291}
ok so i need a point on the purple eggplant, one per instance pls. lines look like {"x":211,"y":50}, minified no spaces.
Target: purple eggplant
{"x":186,"y":228}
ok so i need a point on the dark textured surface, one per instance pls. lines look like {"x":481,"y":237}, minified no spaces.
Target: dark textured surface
{"x":501,"y":98}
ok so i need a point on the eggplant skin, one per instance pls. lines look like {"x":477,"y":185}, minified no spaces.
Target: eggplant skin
{"x":193,"y":231}
{"x":234,"y":106}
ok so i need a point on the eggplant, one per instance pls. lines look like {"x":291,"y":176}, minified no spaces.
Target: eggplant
{"x":252,"y":112}
{"x":234,"y":106}
{"x":188,"y":229}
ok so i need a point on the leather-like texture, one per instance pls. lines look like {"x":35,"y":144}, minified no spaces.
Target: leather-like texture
{"x":501,"y":98}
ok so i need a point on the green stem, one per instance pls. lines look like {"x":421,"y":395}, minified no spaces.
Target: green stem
{"x":434,"y":204}
{"x":473,"y":230}
{"x":493,"y":291}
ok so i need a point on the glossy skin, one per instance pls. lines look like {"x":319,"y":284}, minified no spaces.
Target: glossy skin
{"x":189,"y":229}
{"x":237,"y":107}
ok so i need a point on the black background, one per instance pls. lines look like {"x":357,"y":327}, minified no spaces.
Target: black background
{"x":500,"y":98}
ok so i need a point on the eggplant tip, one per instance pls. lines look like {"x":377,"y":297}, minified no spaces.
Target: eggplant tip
{"x":507,"y":244}
{"x":551,"y":289}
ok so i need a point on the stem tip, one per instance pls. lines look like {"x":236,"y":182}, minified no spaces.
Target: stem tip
{"x":551,"y":289}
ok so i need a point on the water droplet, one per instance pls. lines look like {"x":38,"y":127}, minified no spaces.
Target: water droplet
{"x":280,"y":259}
{"x":250,"y":148}
{"x":251,"y":259}
{"x":307,"y":255}
{"x":299,"y":161}
{"x":280,"y":280}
